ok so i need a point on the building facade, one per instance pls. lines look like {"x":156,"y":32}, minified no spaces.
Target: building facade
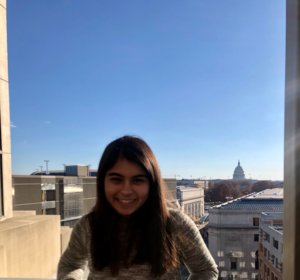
{"x":271,"y":246}
{"x":67,"y":196}
{"x":233,"y":233}
{"x":191,"y":201}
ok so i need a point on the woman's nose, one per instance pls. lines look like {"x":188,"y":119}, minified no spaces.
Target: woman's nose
{"x":127,"y":186}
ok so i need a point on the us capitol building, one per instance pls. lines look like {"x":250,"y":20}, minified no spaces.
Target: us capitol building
{"x":238,"y":173}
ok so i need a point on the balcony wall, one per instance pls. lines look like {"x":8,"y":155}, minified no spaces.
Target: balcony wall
{"x":29,"y":245}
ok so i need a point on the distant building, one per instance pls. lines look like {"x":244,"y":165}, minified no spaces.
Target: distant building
{"x":192,"y":182}
{"x":170,"y":184}
{"x":191,"y":200}
{"x":67,"y":196}
{"x":238,"y":173}
{"x":233,"y":232}
{"x":271,"y":246}
{"x":81,"y":170}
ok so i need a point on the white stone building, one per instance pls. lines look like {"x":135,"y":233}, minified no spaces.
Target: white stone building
{"x":233,"y":233}
{"x":238,"y":173}
{"x":191,"y":200}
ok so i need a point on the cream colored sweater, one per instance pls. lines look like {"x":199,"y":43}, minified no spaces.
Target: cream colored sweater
{"x":191,"y":247}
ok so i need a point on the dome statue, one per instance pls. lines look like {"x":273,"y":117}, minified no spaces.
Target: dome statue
{"x":238,"y":173}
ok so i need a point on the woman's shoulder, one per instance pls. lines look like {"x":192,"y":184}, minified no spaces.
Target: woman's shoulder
{"x":84,"y":220}
{"x":175,"y":213}
{"x":182,"y":222}
{"x":82,"y":226}
{"x":178,"y":217}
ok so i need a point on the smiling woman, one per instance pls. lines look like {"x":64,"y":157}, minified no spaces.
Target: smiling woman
{"x":126,"y":187}
{"x":131,"y":233}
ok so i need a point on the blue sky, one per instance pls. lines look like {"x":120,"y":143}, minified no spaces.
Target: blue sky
{"x":201,"y":81}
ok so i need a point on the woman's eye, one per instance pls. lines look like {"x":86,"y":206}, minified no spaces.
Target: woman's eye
{"x":139,"y":180}
{"x":115,"y":180}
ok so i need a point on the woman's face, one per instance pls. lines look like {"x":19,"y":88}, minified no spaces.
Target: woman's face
{"x":126,"y":187}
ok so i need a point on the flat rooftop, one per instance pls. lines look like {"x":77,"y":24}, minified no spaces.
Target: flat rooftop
{"x":267,"y":200}
{"x":267,"y":194}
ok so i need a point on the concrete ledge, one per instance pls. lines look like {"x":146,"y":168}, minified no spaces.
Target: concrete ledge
{"x":29,"y":246}
{"x":24,"y":213}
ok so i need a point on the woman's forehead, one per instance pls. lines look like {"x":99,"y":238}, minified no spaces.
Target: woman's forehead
{"x":124,"y":166}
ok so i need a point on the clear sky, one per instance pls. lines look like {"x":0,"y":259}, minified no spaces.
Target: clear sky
{"x":202,"y":81}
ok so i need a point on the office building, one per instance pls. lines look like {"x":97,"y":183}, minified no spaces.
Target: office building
{"x":233,"y":232}
{"x":271,"y":246}
{"x":70,"y":193}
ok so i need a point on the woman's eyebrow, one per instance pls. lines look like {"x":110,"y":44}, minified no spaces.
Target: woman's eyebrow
{"x":140,"y":175}
{"x":120,"y":175}
{"x":114,"y":174}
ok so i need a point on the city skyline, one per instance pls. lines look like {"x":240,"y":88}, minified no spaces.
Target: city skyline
{"x":201,"y":82}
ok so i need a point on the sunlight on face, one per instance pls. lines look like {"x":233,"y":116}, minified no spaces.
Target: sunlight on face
{"x":126,"y":187}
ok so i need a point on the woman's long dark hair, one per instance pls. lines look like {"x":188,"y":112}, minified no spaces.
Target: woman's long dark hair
{"x":148,"y":238}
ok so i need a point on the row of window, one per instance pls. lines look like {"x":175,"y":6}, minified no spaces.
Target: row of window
{"x":270,"y":257}
{"x":266,"y":237}
{"x":267,"y":272}
{"x":240,"y":254}
{"x":235,"y":264}
{"x":228,"y":275}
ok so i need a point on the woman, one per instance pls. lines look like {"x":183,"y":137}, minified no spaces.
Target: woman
{"x":130,"y":233}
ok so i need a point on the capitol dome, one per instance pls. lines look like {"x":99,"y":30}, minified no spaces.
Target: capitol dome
{"x":238,"y":173}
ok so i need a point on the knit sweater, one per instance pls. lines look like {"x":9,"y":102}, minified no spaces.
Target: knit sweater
{"x":191,"y":247}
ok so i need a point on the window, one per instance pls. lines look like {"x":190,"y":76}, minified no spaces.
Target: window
{"x":233,"y":264}
{"x":242,"y":264}
{"x":244,"y":275}
{"x":255,"y":222}
{"x":220,"y":254}
{"x":222,"y":264}
{"x":275,"y":243}
{"x":256,"y":237}
{"x":256,"y":260}
{"x":223,"y":274}
{"x":272,"y":259}
{"x":50,"y":195}
{"x":256,"y":264}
